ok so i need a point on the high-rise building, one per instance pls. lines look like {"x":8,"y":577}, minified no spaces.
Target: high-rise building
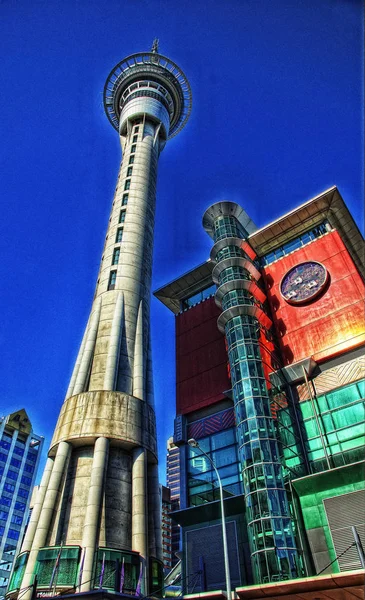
{"x":20,"y":451}
{"x":173,"y":483}
{"x":166,"y":528}
{"x":270,"y":382}
{"x":98,"y":508}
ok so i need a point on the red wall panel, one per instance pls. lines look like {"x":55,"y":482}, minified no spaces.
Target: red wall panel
{"x":201,"y":358}
{"x":332,"y":323}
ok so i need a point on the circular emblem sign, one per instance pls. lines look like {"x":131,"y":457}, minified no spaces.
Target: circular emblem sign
{"x":303,"y":282}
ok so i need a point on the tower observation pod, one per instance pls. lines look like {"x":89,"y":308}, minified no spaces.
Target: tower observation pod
{"x":96,"y":519}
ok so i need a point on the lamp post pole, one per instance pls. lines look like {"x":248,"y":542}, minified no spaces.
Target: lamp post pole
{"x":194,"y":444}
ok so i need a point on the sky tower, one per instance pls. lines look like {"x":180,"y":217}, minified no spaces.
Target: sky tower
{"x":97,"y":510}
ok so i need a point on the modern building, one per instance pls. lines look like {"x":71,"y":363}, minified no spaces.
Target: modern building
{"x":166,"y":528}
{"x":20,"y":451}
{"x":270,"y":365}
{"x":97,"y":519}
{"x":173,"y":483}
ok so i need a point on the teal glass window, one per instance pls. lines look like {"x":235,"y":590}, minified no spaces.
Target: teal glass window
{"x":133,"y":148}
{"x":111,"y":559}
{"x":125,"y":200}
{"x":119,"y":235}
{"x":18,"y":572}
{"x":296,"y":243}
{"x":112,"y":280}
{"x":129,"y":171}
{"x":198,"y":297}
{"x":202,"y":481}
{"x":131,"y":160}
{"x":68,"y":565}
{"x":122,"y":216}
{"x":127,"y":184}
{"x":116,"y":255}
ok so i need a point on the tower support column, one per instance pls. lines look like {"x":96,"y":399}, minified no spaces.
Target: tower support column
{"x":139,"y":509}
{"x":90,"y":534}
{"x":33,"y":523}
{"x":47,"y":510}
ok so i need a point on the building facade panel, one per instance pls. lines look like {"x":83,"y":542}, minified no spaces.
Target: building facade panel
{"x":314,"y":330}
{"x":201,"y":358}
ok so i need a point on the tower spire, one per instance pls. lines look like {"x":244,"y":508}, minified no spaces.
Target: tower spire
{"x":155,"y":44}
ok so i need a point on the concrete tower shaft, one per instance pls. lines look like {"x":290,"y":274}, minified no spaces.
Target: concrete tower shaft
{"x":99,"y":495}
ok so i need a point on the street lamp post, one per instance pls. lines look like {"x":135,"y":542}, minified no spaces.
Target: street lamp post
{"x":194,"y":444}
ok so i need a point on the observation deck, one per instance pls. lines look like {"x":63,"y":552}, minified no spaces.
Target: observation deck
{"x":148,"y":74}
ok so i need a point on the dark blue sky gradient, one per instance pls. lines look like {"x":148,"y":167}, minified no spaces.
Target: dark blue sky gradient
{"x":277,"y":118}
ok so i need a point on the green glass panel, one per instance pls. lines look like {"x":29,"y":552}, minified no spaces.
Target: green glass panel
{"x":306,"y":409}
{"x":18,"y":572}
{"x":65,"y":573}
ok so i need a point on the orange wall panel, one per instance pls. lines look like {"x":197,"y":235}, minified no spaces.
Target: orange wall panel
{"x":331,"y":323}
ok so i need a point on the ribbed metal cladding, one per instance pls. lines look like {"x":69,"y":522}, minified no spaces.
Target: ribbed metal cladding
{"x":343,"y":512}
{"x":244,"y":317}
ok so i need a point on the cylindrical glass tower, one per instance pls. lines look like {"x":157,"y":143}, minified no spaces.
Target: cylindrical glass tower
{"x":236,"y":273}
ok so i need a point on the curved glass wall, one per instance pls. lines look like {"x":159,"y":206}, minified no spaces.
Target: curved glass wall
{"x":237,"y":297}
{"x":232,"y":273}
{"x":270,"y":528}
{"x":230,"y":252}
{"x":18,"y":572}
{"x":227,"y":226}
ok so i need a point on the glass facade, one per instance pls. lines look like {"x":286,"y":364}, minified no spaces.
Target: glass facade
{"x":19,"y":455}
{"x":203,"y":487}
{"x":296,"y":243}
{"x":199,"y":297}
{"x":341,"y":417}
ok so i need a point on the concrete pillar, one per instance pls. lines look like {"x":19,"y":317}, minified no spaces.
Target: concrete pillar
{"x":90,"y":536}
{"x":46,"y":513}
{"x":139,"y":509}
{"x":88,"y":352}
{"x":114,"y":345}
{"x":75,"y":372}
{"x":33,"y":523}
{"x":139,"y":354}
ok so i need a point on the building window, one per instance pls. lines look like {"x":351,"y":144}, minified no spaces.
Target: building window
{"x":296,"y":243}
{"x":122,"y":216}
{"x":3,"y":515}
{"x":199,"y":297}
{"x":26,"y":480}
{"x":133,"y":148}
{"x":136,"y":129}
{"x":23,"y":493}
{"x":16,"y":520}
{"x":116,"y":255}
{"x":112,"y":280}
{"x":119,"y":236}
{"x":129,"y":171}
{"x":131,"y":160}
{"x":135,"y":138}
{"x":127,"y":184}
{"x":125,"y":200}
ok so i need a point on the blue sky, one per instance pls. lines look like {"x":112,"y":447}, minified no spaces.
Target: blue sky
{"x":277,"y":118}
